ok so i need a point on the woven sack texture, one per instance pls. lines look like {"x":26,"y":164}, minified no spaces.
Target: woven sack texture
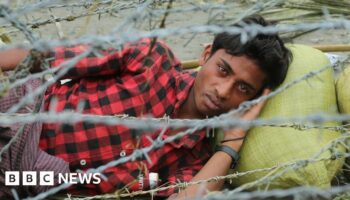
{"x":267,"y":146}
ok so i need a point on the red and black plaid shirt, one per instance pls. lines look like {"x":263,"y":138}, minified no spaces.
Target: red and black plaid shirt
{"x":128,"y":81}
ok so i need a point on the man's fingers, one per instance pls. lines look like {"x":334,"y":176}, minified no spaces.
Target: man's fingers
{"x":256,"y":109}
{"x":266,"y":91}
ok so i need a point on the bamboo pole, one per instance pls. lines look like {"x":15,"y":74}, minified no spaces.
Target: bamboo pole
{"x":190,"y":64}
{"x":333,"y":47}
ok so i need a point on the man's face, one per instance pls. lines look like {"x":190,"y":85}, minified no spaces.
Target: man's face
{"x":225,"y":81}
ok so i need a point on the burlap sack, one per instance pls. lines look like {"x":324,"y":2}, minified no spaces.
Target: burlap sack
{"x":267,"y":147}
{"x":343,"y":96}
{"x":343,"y":90}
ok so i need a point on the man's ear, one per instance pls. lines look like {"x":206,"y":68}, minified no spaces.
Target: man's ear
{"x":205,"y":55}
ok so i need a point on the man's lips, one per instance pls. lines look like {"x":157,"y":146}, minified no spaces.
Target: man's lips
{"x":211,"y":103}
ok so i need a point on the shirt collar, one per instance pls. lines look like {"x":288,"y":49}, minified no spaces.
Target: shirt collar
{"x":183,"y":83}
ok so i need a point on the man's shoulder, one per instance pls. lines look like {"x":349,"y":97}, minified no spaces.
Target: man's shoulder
{"x":153,"y":47}
{"x":152,"y":50}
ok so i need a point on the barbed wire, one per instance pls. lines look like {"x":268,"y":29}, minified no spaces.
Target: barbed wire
{"x":302,"y":127}
{"x":256,"y":8}
{"x":137,"y":153}
{"x":134,"y":17}
{"x":293,"y":165}
{"x":246,"y":32}
{"x":117,"y":8}
{"x":100,"y":11}
{"x":296,"y":193}
{"x":230,"y":119}
{"x":70,"y":63}
{"x":7,"y":13}
{"x":84,"y":4}
{"x":159,"y":143}
{"x":34,"y":7}
{"x":297,"y":122}
{"x":274,"y":174}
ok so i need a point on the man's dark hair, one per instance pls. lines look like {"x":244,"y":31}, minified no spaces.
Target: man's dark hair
{"x":267,"y":50}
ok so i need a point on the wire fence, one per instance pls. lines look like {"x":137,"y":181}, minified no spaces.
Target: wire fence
{"x":21,"y":20}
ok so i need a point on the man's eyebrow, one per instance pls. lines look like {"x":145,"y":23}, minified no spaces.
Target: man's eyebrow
{"x":228,"y":66}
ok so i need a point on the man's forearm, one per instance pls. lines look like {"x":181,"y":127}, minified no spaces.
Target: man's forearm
{"x":9,"y":59}
{"x":218,"y":165}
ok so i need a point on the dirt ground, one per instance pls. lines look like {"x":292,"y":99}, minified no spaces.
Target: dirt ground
{"x":186,"y":46}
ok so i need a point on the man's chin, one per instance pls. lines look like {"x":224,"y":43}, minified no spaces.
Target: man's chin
{"x":212,"y":114}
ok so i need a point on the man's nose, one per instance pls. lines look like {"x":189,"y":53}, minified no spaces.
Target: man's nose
{"x":224,"y":90}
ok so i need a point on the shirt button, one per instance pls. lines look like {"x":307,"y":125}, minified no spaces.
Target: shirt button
{"x":153,"y":180}
{"x":83,"y":162}
{"x":122,"y":153}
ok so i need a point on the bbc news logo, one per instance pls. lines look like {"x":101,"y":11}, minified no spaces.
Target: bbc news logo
{"x":46,"y":178}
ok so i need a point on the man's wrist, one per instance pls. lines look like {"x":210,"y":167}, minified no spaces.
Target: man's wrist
{"x":236,"y":145}
{"x":229,"y":152}
{"x":234,"y":133}
{"x":234,"y":138}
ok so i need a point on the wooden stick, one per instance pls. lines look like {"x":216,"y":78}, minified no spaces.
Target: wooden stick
{"x":190,"y":64}
{"x":333,"y":47}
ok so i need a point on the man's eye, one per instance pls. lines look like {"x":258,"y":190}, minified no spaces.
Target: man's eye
{"x":243,"y":88}
{"x":222,"y":70}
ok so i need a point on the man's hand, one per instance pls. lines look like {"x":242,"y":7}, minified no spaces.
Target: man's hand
{"x":254,"y":112}
{"x":10,"y":58}
{"x":251,"y":114}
